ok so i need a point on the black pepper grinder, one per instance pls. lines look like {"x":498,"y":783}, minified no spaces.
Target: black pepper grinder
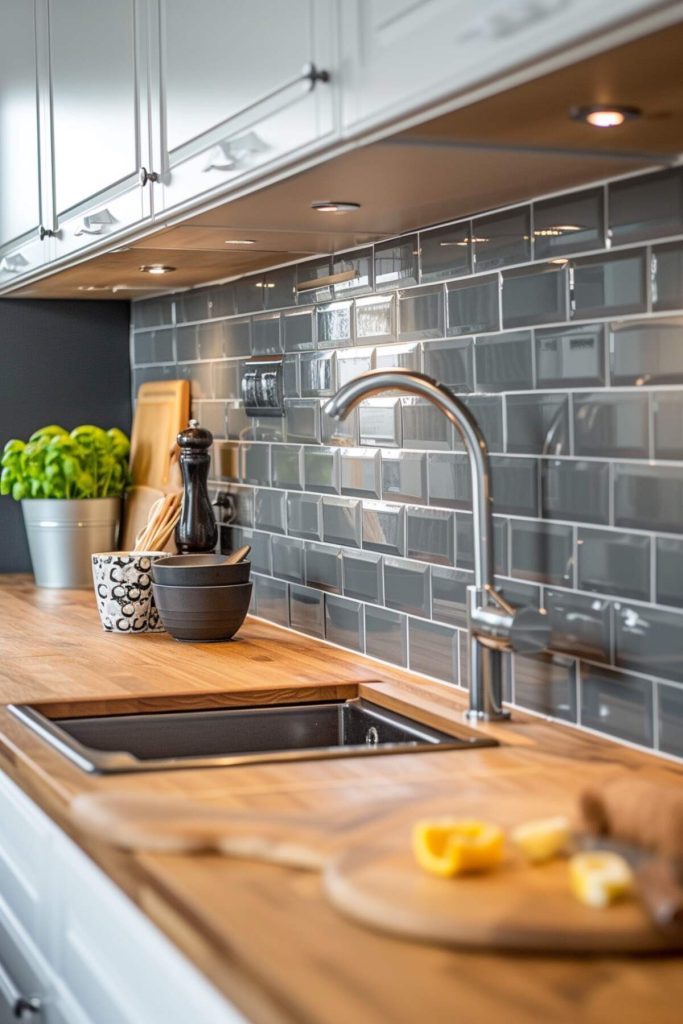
{"x":196,"y":531}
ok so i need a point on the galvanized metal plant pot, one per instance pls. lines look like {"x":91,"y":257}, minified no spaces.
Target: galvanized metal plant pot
{"x":64,"y":533}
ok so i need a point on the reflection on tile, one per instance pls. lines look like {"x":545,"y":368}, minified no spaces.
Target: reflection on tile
{"x":211,"y":415}
{"x":340,"y":432}
{"x":288,"y":558}
{"x":323,"y":567}
{"x":185,"y":343}
{"x":617,"y":704}
{"x":360,"y":262}
{"x":538,"y":424}
{"x":445,"y":252}
{"x":404,"y":476}
{"x":488,"y":412}
{"x":537,"y":296}
{"x":224,"y":377}
{"x":384,"y":527}
{"x":200,"y":376}
{"x":154,"y":346}
{"x":668,"y":417}
{"x":306,"y":276}
{"x":286,"y":466}
{"x":406,"y":355}
{"x":514,"y":485}
{"x":318,"y":374}
{"x":243,"y":499}
{"x":239,"y":426}
{"x":611,"y":424}
{"x":266,"y":338}
{"x":542,"y":552}
{"x":321,"y":469}
{"x":614,"y":562}
{"x":570,"y":356}
{"x":375,"y":318}
{"x":361,"y":472}
{"x":504,"y":362}
{"x":224,"y":339}
{"x":278,"y":287}
{"x":433,"y":650}
{"x":334,"y":324}
{"x":430,"y":535}
{"x":670,"y":704}
{"x":450,"y":362}
{"x":649,"y":640}
{"x":610,"y":284}
{"x":303,"y":420}
{"x":363,"y":576}
{"x":271,"y":599}
{"x":649,"y":206}
{"x":406,"y":586}
{"x":464,"y":543}
{"x":353,"y":362}
{"x":449,"y":595}
{"x":380,"y":422}
{"x":342,"y":521}
{"x":344,"y":622}
{"x":422,"y":313}
{"x":396,"y":262}
{"x":298,"y":330}
{"x":669,"y":557}
{"x":449,"y":481}
{"x":580,"y":625}
{"x":304,"y":515}
{"x":225,"y":461}
{"x":647,"y":353}
{"x":569,"y":224}
{"x":425,"y":426}
{"x":255,"y":465}
{"x":269,"y":510}
{"x":667,"y":276}
{"x":290,"y":376}
{"x":575,"y":490}
{"x":306,"y":610}
{"x":473,"y":306}
{"x":386,"y":635}
{"x":649,"y":497}
{"x":501,"y":239}
{"x":546,"y":685}
{"x":221,"y":300}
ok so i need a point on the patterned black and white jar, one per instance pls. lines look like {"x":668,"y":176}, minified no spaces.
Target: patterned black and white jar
{"x":123,"y":588}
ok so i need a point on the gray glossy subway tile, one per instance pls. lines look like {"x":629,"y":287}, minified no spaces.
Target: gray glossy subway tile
{"x":669,"y":570}
{"x":518,"y":594}
{"x":464,"y":543}
{"x":473,"y":306}
{"x":449,"y":480}
{"x":352,"y":362}
{"x":153,"y":346}
{"x":266,"y":337}
{"x":302,"y":416}
{"x":667,"y":276}
{"x":323,"y":567}
{"x":449,"y":595}
{"x":333,"y":324}
{"x":575,"y":490}
{"x":307,"y":610}
{"x":504,"y":362}
{"x":547,"y":685}
{"x":307,"y":274}
{"x":425,"y":426}
{"x":321,"y":469}
{"x":238,"y":424}
{"x":538,"y":424}
{"x":667,"y":410}
{"x":340,"y":432}
{"x":407,"y":586}
{"x":152,"y":312}
{"x":375,"y":318}
{"x":571,"y":356}
{"x":360,"y":472}
{"x":269,"y":510}
{"x":569,"y":224}
{"x":288,"y":558}
{"x":396,"y":262}
{"x":342,"y":521}
{"x":225,"y":461}
{"x":291,"y":385}
{"x":433,"y":650}
{"x":380,"y":422}
{"x":344,"y":622}
{"x":422,"y":313}
{"x":670,"y":706}
{"x":386,"y":635}
{"x":286,"y":466}
{"x":200,"y":376}
{"x":211,"y":415}
{"x":580,"y":625}
{"x":611,"y":423}
{"x":318,"y":374}
{"x":363,"y":576}
{"x":404,"y":476}
{"x":278,"y":287}
{"x":304,"y":515}
{"x":446,"y":252}
{"x":649,"y":206}
{"x":649,"y":640}
{"x":617,"y":704}
{"x":488,"y":412}
{"x":243,"y":499}
{"x":360,"y":263}
{"x":383,"y":527}
{"x":186,"y":343}
{"x":271,"y":599}
{"x":255,"y":464}
{"x":265,"y":428}
{"x":227,"y":339}
{"x":405,"y":355}
{"x":221,"y":300}
{"x":298,"y":330}
{"x":609,"y":285}
{"x":260,"y":551}
{"x":501,"y":239}
{"x":535,"y":296}
{"x":514,"y":485}
{"x":225,"y":378}
{"x":450,"y":363}
{"x":542,"y":552}
{"x":249,"y":294}
{"x":647,"y":352}
{"x":430,"y":535}
{"x":614,"y":562}
{"x":649,"y":497}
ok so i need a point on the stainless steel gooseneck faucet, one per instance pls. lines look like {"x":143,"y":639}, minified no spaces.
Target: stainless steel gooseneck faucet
{"x":494,"y":625}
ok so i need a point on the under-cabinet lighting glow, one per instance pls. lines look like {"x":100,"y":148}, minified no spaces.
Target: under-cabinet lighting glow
{"x":156,"y":268}
{"x":334,"y":206}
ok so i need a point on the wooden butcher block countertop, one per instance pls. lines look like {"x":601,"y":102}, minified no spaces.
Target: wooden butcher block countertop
{"x":265,"y":935}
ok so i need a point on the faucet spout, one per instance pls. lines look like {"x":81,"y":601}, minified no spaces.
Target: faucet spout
{"x":494,"y":625}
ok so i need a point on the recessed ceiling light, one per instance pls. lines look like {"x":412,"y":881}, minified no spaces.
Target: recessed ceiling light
{"x":334,"y":206}
{"x":156,"y":268}
{"x":605,"y":115}
{"x":240,"y":241}
{"x":93,"y":288}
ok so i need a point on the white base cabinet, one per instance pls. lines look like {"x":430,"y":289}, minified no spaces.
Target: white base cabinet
{"x":73,"y":948}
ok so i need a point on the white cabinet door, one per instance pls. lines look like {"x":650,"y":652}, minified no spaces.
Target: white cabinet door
{"x":233,"y":95}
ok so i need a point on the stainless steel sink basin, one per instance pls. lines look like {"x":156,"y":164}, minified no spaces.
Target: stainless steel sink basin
{"x":219,"y":738}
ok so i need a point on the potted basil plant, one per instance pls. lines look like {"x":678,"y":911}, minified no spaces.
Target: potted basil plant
{"x":70,"y":487}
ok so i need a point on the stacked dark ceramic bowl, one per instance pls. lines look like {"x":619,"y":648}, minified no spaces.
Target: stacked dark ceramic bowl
{"x":201,"y":598}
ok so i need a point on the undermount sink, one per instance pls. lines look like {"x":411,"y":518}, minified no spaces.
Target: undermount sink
{"x":108,"y":744}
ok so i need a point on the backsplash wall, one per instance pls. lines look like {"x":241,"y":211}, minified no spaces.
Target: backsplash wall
{"x":560,"y":324}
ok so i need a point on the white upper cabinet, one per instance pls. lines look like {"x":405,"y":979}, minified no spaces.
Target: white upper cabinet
{"x":241,"y":87}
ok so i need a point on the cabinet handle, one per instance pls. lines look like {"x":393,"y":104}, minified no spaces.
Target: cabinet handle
{"x":19,"y":1006}
{"x":95,"y":223}
{"x":13,"y":264}
{"x":44,"y":233}
{"x":144,"y":176}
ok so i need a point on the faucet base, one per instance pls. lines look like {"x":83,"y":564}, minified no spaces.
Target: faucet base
{"x":487,"y":716}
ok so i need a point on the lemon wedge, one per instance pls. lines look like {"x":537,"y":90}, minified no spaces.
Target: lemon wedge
{"x":599,"y":878}
{"x":452,"y":846}
{"x":542,"y":840}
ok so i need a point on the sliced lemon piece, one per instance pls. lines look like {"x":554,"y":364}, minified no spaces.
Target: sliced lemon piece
{"x":543,"y":839}
{"x":599,"y":878}
{"x":453,"y":846}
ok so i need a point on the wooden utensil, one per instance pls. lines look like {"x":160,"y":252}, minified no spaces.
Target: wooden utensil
{"x":161,"y":523}
{"x":238,"y":556}
{"x":138,"y":505}
{"x":162,"y":410}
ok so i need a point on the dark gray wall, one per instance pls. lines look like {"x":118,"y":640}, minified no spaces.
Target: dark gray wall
{"x":60,"y":362}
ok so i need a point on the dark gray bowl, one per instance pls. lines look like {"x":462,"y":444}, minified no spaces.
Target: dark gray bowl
{"x":199,"y":571}
{"x":202,"y":613}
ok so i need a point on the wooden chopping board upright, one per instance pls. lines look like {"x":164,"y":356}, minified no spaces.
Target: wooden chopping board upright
{"x":161,"y":412}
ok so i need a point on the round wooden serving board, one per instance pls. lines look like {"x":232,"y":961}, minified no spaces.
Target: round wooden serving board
{"x":516,"y":907}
